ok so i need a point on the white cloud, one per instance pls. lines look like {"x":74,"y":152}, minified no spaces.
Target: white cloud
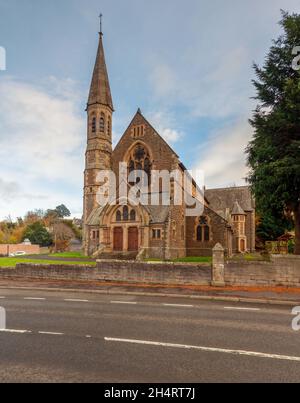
{"x":217,"y":87}
{"x":223,"y":158}
{"x":10,"y":191}
{"x":171,"y":136}
{"x":41,"y":142}
{"x":164,"y":124}
{"x":43,"y":133}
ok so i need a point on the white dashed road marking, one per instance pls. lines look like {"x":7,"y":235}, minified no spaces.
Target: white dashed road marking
{"x":179,"y":305}
{"x":51,"y":333}
{"x":124,"y":302}
{"x":14,"y":331}
{"x":207,"y":349}
{"x":232,"y":308}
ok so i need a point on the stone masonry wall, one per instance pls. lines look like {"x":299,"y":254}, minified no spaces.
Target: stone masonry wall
{"x":156,"y":273}
{"x":49,"y":272}
{"x":280,"y":271}
{"x":217,"y":234}
{"x":118,"y":271}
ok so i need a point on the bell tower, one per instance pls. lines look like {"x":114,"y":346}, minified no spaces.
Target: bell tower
{"x":99,"y":133}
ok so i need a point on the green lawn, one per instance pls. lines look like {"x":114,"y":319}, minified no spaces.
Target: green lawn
{"x":250,"y":257}
{"x":77,"y":255}
{"x":11,"y":262}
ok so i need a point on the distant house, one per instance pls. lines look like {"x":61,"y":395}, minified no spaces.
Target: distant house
{"x":78,"y":222}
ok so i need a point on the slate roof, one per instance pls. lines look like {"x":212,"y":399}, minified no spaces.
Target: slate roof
{"x":237,"y":209}
{"x":158,"y":214}
{"x":94,"y":218}
{"x":222,"y":201}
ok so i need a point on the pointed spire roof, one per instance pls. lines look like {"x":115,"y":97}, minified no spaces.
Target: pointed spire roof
{"x":237,"y":209}
{"x":100,"y":89}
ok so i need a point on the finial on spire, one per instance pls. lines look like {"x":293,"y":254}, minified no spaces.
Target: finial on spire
{"x":101,"y":16}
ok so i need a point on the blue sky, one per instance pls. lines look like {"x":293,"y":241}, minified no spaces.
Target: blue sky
{"x":186,"y":64}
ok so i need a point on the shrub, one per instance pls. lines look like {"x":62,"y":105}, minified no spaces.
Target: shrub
{"x":291,"y":246}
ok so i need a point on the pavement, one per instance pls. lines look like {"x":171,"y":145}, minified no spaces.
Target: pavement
{"x":66,"y":336}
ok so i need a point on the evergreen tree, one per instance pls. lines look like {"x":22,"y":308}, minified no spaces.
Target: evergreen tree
{"x":62,"y":211}
{"x":274,"y":153}
{"x":38,"y":234}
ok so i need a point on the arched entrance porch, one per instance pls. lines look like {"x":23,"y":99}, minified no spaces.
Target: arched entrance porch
{"x":124,"y":228}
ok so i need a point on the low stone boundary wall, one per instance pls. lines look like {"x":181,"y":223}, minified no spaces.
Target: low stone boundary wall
{"x":49,"y":272}
{"x":110,"y":270}
{"x":280,"y":271}
{"x":155,"y":273}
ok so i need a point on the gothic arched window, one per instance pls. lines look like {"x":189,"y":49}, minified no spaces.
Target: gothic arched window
{"x":131,"y":166}
{"x":125,"y":213}
{"x":147,"y":167}
{"x":206,"y":233}
{"x":140,"y":160}
{"x":109,"y":126}
{"x":199,"y":233}
{"x":102,"y":123}
{"x":132,"y":215}
{"x":118,"y":216}
{"x":203,"y":230}
{"x":94,"y":125}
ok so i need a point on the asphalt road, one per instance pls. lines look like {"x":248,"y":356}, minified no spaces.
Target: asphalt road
{"x":74,"y":337}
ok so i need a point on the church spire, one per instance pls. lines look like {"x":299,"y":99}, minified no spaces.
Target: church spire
{"x":100,"y":89}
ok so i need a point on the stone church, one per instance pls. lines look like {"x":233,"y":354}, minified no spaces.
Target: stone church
{"x":147,"y":231}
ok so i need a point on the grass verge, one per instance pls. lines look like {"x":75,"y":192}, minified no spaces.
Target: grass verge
{"x":77,"y":255}
{"x":12,"y":262}
{"x":250,"y":257}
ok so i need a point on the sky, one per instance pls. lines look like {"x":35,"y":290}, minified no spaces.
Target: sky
{"x":186,"y":63}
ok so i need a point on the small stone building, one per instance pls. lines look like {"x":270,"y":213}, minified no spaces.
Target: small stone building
{"x":164,"y":232}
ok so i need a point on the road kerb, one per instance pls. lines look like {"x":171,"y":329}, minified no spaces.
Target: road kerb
{"x":149,"y":294}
